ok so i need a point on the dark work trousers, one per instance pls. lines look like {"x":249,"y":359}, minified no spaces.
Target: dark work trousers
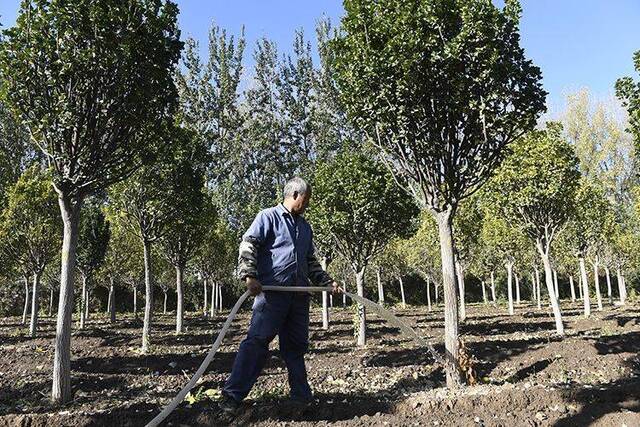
{"x":287,"y":315}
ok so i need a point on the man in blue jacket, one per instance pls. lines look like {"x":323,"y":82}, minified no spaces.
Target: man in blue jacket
{"x":277,"y":250}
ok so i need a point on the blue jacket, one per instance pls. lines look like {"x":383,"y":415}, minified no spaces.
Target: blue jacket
{"x":278,"y":249}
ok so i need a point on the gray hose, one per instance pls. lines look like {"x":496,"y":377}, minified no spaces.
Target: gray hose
{"x":386,"y":314}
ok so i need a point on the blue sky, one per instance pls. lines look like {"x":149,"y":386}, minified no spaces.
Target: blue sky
{"x":577,"y":43}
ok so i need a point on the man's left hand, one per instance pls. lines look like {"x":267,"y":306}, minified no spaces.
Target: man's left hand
{"x":336,"y":288}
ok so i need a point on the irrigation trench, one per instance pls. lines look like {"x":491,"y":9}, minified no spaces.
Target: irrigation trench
{"x":386,"y":314}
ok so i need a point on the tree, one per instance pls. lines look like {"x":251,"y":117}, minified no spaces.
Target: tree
{"x":466,"y":229}
{"x":89,"y":103}
{"x":441,"y":88}
{"x":356,"y":203}
{"x":590,"y":223}
{"x":422,"y":253}
{"x":92,"y":249}
{"x":502,"y":242}
{"x":628,"y":91}
{"x":30,"y":230}
{"x":535,"y":190}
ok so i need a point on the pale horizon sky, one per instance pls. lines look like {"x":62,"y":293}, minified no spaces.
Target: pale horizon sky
{"x":576,"y":43}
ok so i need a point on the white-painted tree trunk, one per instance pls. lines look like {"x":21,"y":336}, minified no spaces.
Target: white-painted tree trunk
{"x":83,"y":302}
{"x":462,"y":306}
{"x":220,"y":297}
{"x":61,"y":384}
{"x":585,"y":287}
{"x":580,"y":286}
{"x":555,"y":306}
{"x":344,"y":297}
{"x":362,"y":315}
{"x":517,"y":288}
{"x":404,"y":303}
{"x":205,"y":298}
{"x":180,"y":300}
{"x":451,"y":321}
{"x":325,"y":298}
{"x":331,"y":300}
{"x":148,"y":300}
{"x":596,"y":279}
{"x":493,"y":288}
{"x":135,"y":302}
{"x":533,"y":286}
{"x":509,"y":266}
{"x":538,"y":296}
{"x":27,"y":299}
{"x":622,"y":292}
{"x":112,"y":300}
{"x":50,"y":301}
{"x":429,"y":294}
{"x":484,"y":293}
{"x":609,"y":291}
{"x":86,"y":305}
{"x":572,"y":288}
{"x":555,"y":284}
{"x":214,"y":299}
{"x":35,"y":300}
{"x":164,"y":306}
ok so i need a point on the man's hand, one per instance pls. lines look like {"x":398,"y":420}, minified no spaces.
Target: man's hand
{"x":336,"y":288}
{"x":253,"y":286}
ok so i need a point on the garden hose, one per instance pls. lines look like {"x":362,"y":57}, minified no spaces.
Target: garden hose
{"x":386,"y":314}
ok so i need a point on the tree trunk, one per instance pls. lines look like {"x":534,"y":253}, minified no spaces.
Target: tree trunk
{"x":325,"y":302}
{"x":112,"y":300}
{"x":220,"y":297}
{"x":538,"y":296}
{"x":493,"y":288}
{"x":344,"y":297}
{"x":148,"y":299}
{"x":622,"y":292}
{"x":517,"y":288}
{"x":86,"y":306}
{"x":83,"y":302}
{"x":51,"y":301}
{"x":608,"y":275}
{"x":533,"y":286}
{"x":206,"y":298}
{"x":214,"y":299}
{"x":555,"y":284}
{"x":435,"y":292}
{"x":404,"y":303}
{"x":585,"y":287}
{"x":362,"y":315}
{"x":451,"y":322}
{"x":580,"y":286}
{"x":509,"y":266}
{"x":35,"y":305}
{"x":462,"y":309}
{"x":550,"y":289}
{"x":596,"y":279}
{"x":572,"y":288}
{"x":484,"y":293}
{"x":331,"y":300}
{"x":380,"y":288}
{"x":428,"y":294}
{"x":135,"y":302}
{"x":61,"y":385}
{"x":164,"y":306}
{"x":27,"y":300}
{"x":179,"y":305}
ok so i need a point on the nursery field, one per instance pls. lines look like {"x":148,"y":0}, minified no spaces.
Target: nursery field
{"x":525,"y":375}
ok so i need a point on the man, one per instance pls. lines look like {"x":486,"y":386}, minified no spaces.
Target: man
{"x":277,"y":250}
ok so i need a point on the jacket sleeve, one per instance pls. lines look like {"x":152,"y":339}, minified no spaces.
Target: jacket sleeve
{"x":251,"y":242}
{"x":316,"y":273}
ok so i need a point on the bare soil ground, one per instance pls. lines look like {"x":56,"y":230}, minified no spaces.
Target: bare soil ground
{"x":526,"y":375}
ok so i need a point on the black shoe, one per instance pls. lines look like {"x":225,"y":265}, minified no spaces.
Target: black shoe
{"x":228,"y":404}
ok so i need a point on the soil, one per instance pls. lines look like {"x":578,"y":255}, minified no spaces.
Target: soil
{"x":526,"y":376}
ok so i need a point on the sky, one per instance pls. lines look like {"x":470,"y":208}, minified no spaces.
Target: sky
{"x":576,"y":43}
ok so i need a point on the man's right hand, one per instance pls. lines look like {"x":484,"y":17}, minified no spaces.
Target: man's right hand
{"x":254,"y":286}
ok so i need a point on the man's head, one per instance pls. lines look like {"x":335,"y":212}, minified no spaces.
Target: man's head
{"x":297,"y":193}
